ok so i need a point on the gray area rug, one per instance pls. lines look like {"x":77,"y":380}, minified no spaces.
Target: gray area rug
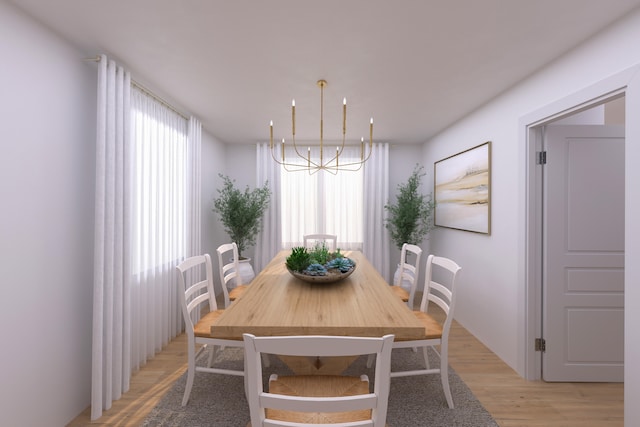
{"x":218,"y":400}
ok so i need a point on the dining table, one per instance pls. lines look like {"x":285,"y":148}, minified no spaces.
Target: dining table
{"x":277,"y":303}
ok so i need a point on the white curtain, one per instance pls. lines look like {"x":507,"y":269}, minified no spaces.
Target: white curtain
{"x":376,"y":195}
{"x":343,"y":203}
{"x":147,"y":220}
{"x":323,"y":202}
{"x":299,"y":194}
{"x":111,"y":284}
{"x":162,"y":224}
{"x":269,"y":240}
{"x":194,"y":187}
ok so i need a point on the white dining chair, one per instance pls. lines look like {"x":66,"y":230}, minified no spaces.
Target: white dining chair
{"x":440,"y":289}
{"x":200,"y":313}
{"x":407,"y":274}
{"x":232,"y":286}
{"x":317,"y":400}
{"x":310,"y":240}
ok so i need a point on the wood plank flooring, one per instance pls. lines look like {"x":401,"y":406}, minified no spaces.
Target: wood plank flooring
{"x":513,"y":401}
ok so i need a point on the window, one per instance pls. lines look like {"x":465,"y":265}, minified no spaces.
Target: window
{"x":323,"y":203}
{"x":159,"y":184}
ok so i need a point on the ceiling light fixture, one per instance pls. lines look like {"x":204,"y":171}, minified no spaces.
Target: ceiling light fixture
{"x":304,"y":161}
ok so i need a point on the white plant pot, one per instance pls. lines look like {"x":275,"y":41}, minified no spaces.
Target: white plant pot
{"x":406,"y":285}
{"x":246,"y":273}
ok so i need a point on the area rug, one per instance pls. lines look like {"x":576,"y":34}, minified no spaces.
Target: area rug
{"x":219,"y":401}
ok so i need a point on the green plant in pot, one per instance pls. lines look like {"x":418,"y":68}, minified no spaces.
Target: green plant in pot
{"x":411,"y":217}
{"x":319,"y":264}
{"x":241,"y":211}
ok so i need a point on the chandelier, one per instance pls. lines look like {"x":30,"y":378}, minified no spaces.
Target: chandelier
{"x":326,"y":159}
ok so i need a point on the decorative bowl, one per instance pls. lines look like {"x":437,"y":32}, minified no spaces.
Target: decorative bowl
{"x":333,"y":275}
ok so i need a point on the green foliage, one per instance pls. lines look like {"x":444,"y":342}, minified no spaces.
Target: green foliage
{"x":410,"y":219}
{"x":240,"y":212}
{"x":320,"y":254}
{"x":299,"y":259}
{"x":317,"y":261}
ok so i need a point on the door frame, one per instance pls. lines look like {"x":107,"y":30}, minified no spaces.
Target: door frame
{"x":625,"y":83}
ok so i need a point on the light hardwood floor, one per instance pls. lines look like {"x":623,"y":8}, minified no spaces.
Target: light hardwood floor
{"x":513,"y":401}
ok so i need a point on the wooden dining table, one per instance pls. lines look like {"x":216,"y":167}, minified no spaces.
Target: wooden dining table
{"x":276,"y":303}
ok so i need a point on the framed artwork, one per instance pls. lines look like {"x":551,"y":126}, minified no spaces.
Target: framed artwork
{"x":462,"y":188}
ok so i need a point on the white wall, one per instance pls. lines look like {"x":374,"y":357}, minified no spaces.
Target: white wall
{"x":492,"y":280}
{"x":213,"y":163}
{"x":47,"y":122}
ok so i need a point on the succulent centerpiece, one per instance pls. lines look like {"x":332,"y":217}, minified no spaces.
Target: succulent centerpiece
{"x":319,"y":265}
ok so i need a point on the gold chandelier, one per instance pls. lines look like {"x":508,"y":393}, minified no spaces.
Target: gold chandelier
{"x":331,"y":163}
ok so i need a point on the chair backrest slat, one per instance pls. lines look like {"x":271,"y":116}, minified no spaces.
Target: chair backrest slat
{"x":307,"y":238}
{"x":318,"y":404}
{"x":318,"y":345}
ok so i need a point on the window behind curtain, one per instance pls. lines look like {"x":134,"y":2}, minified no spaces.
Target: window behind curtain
{"x":159,"y":235}
{"x":323,"y":203}
{"x":160,"y":183}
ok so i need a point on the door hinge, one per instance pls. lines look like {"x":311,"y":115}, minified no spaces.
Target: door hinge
{"x":541,"y":344}
{"x":541,"y":157}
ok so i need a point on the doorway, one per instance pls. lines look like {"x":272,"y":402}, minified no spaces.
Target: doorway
{"x":582,"y":234}
{"x":555,"y":312}
{"x":625,"y":83}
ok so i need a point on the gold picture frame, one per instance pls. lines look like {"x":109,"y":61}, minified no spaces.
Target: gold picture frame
{"x":462,"y":189}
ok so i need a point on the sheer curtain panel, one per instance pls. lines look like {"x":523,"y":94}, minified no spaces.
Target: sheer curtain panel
{"x":111,"y":284}
{"x":269,"y":240}
{"x":323,"y":202}
{"x":147,"y":221}
{"x":163,"y":225}
{"x":194,"y":187}
{"x":376,"y":194}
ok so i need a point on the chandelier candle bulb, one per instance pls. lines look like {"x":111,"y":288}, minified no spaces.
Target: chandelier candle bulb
{"x":362,"y":148}
{"x":271,"y":134}
{"x":371,"y":132}
{"x":293,"y":116}
{"x":344,"y":116}
{"x":283,"y":149}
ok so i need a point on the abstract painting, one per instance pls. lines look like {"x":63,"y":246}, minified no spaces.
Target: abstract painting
{"x":463,"y":190}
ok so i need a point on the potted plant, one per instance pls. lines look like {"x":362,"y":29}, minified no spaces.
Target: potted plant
{"x":319,"y":264}
{"x":411,"y":217}
{"x":240,"y":213}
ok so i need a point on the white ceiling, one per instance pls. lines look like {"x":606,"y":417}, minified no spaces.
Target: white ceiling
{"x":416,"y":66}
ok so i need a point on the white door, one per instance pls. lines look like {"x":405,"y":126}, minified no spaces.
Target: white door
{"x":583,"y":271}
